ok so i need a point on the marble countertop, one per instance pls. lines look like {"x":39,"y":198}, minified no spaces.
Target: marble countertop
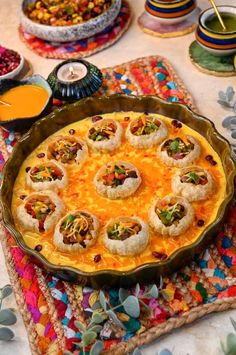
{"x":204,"y":336}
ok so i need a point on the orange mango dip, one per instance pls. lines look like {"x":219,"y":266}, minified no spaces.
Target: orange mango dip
{"x":156,"y":182}
{"x":22,"y":101}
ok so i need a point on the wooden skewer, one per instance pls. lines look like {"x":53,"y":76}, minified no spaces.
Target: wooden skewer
{"x":218,"y":14}
{"x":4,"y":103}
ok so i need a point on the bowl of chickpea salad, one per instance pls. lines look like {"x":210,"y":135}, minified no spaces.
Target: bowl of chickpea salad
{"x":67,"y":20}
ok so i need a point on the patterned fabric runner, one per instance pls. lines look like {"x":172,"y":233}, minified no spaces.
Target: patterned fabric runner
{"x":50,"y":306}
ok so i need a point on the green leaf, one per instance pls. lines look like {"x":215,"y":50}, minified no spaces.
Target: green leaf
{"x":165,"y":352}
{"x":224,"y":103}
{"x":226,"y":123}
{"x":70,"y":218}
{"x":145,"y":305}
{"x":119,"y":170}
{"x":115,"y":319}
{"x":6,"y":291}
{"x":6,"y":334}
{"x":123,"y":294}
{"x":233,"y":323}
{"x":137,"y":351}
{"x":131,"y":306}
{"x":153,"y":291}
{"x":234,"y":108}
{"x":88,"y":338}
{"x":222,"y":95}
{"x":194,"y":177}
{"x":97,"y":318}
{"x":97,"y":348}
{"x":80,"y":326}
{"x":161,"y":283}
{"x":231,"y":344}
{"x":96,"y":305}
{"x":103,"y":300}
{"x":137,"y":289}
{"x":7,"y":317}
{"x":229,"y":93}
{"x":174,"y":146}
{"x":95,"y":328}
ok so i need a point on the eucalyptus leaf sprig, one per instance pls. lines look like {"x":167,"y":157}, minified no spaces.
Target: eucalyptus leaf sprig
{"x":89,"y":334}
{"x":7,"y":315}
{"x":137,"y":351}
{"x":228,"y":100}
{"x":130,"y":302}
{"x":131,"y":305}
{"x":229,"y":348}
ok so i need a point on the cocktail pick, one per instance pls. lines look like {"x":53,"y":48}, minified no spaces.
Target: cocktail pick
{"x":218,"y":14}
{"x":4,"y":103}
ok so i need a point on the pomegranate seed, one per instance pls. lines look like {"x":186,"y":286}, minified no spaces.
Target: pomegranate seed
{"x":209,"y":157}
{"x":200,"y":223}
{"x":97,"y":258}
{"x":213,"y":162}
{"x":38,"y":247}
{"x":157,"y":255}
{"x":174,"y":123}
{"x":96,"y":118}
{"x":9,"y":60}
{"x":41,"y":155}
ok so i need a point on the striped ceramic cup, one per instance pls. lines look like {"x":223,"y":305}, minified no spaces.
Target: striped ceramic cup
{"x":170,"y":12}
{"x":218,"y":43}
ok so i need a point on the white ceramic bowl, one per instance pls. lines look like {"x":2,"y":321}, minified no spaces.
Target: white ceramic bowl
{"x":12,"y":74}
{"x":73,"y":32}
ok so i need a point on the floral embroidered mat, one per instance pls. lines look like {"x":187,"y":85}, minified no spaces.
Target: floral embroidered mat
{"x":84,"y":47}
{"x":57,"y":313}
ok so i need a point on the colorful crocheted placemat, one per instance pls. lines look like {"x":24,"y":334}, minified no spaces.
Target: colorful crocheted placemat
{"x":81,"y":48}
{"x":150,"y":25}
{"x":50,"y":307}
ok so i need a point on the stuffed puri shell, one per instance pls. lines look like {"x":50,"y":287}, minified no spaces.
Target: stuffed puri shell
{"x":117,"y":180}
{"x":193,"y":183}
{"x":146,"y":131}
{"x":105,"y":135}
{"x":126,"y":236}
{"x":171,"y":215}
{"x":76,"y":231}
{"x":40,"y":211}
{"x":49,"y":175}
{"x":67,"y":150}
{"x":176,"y":152}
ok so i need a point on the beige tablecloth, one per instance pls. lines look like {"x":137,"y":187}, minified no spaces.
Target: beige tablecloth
{"x":204,"y":336}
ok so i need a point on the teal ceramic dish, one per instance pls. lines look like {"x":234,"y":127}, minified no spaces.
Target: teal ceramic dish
{"x":60,"y":118}
{"x":217,"y":42}
{"x":76,"y":90}
{"x":170,"y":12}
{"x":22,"y":123}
